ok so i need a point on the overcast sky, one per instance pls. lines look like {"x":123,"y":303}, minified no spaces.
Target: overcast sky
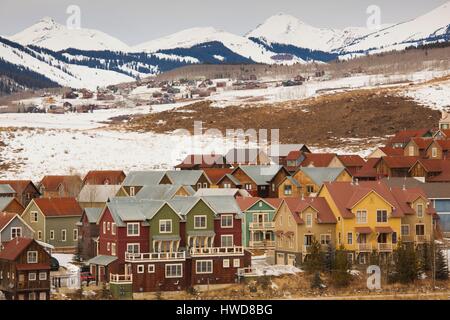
{"x":136,"y":21}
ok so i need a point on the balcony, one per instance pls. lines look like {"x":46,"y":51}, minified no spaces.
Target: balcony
{"x":217,"y":251}
{"x":384,"y":247}
{"x":261,"y":244}
{"x":120,"y":278}
{"x":155,"y":256}
{"x":364,"y":247}
{"x":422,"y":238}
{"x":268,"y":225}
{"x":305,"y":248}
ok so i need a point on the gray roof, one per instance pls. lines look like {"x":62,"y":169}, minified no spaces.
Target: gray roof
{"x":242,"y":155}
{"x":223,"y":204}
{"x":98,"y":193}
{"x":204,"y":192}
{"x":161,"y":191}
{"x":282,"y":150}
{"x":102,"y":260}
{"x":183,"y":204}
{"x":93,"y":214}
{"x":143,"y":178}
{"x":125,"y":209}
{"x":433,"y":190}
{"x":261,"y":174}
{"x":233,"y":179}
{"x":321,"y":175}
{"x":184,"y":177}
{"x":4,"y":202}
{"x":6,"y":188}
{"x":293,"y":181}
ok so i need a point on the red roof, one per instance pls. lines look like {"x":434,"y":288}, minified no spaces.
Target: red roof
{"x":385,"y":229}
{"x":104,"y":177}
{"x":18,"y":185}
{"x":215,"y":174}
{"x":55,"y":207}
{"x":294,"y":155}
{"x":363,"y":230}
{"x":389,"y":151}
{"x":368,"y":170}
{"x":434,"y":165}
{"x":317,"y":159}
{"x":444,"y":144}
{"x":52,"y":183}
{"x":12,"y":249}
{"x":422,"y":143}
{"x":352,"y":160}
{"x":405,"y":136}
{"x":298,"y":205}
{"x":397,"y":162}
{"x":444,"y":175}
{"x":445,"y":132}
{"x":5,"y":218}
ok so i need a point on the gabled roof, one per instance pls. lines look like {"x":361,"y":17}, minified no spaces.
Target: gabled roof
{"x":433,"y":165}
{"x":143,"y":178}
{"x":233,"y":192}
{"x":405,"y":136}
{"x":292,"y":180}
{"x":397,"y":162}
{"x":389,"y":151}
{"x":248,"y":202}
{"x":261,"y":175}
{"x":432,"y":190}
{"x":52,"y":183}
{"x":444,"y":144}
{"x":5,"y":202}
{"x":405,"y":197}
{"x":5,"y":218}
{"x":321,"y":175}
{"x":162,"y":191}
{"x":317,"y":159}
{"x":283,"y":150}
{"x":223,"y":204}
{"x":6,"y":189}
{"x":93,"y":214}
{"x":318,"y":204}
{"x":202,"y":160}
{"x":19,"y":185}
{"x":216,"y":174}
{"x":352,"y":160}
{"x":294,"y":155}
{"x":58,"y":207}
{"x":98,"y":192}
{"x":184,"y":177}
{"x":101,"y":176}
{"x":368,"y":170}
{"x":13,"y":249}
{"x":243,"y":155}
{"x":422,"y":143}
{"x":130,"y":209}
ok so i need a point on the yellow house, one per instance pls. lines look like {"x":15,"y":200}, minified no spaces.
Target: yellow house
{"x":369,"y":217}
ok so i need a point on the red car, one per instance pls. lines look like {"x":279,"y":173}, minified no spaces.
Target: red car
{"x":86,"y":276}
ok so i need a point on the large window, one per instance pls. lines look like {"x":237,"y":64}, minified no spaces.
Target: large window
{"x":203,"y":266}
{"x":226,"y":240}
{"x":381,"y":216}
{"x":165,"y":226}
{"x":32,"y":257}
{"x":325,"y":239}
{"x":133,"y":248}
{"x":200,"y":222}
{"x":361,"y":216}
{"x":16,"y":232}
{"x":226,"y":221}
{"x":133,"y":229}
{"x":174,"y":270}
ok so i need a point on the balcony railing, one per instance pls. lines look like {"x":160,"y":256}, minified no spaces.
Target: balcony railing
{"x":217,"y":251}
{"x":262,"y":225}
{"x":155,"y":256}
{"x":364,"y":247}
{"x":422,"y":238}
{"x":384,"y":247}
{"x":121,"y":278}
{"x":305,"y":248}
{"x":261,"y":244}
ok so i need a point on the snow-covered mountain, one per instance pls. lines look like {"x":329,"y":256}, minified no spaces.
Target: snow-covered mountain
{"x":49,"y":34}
{"x":433,"y":26}
{"x":193,"y":37}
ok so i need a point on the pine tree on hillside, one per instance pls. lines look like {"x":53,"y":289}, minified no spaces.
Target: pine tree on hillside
{"x":315,"y":259}
{"x":406,"y":263}
{"x":441,"y":265}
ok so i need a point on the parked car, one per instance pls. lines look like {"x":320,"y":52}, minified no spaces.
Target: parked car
{"x":86,"y":277}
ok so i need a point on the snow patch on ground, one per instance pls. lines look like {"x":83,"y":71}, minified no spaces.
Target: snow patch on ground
{"x":436,"y":96}
{"x":261,"y":267}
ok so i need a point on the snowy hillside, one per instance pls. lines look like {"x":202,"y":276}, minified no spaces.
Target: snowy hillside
{"x":49,"y":34}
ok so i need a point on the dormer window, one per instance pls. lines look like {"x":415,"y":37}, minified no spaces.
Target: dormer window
{"x":419,"y":209}
{"x":309,"y":220}
{"x":434,"y":152}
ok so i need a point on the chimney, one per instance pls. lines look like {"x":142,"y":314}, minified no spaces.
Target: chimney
{"x":356,"y":181}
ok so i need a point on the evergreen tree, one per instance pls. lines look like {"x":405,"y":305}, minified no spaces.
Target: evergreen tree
{"x":405,"y":263}
{"x":441,"y":272}
{"x":330,"y":257}
{"x":315,"y":258}
{"x":340,"y":275}
{"x":425,"y":258}
{"x":316,"y":281}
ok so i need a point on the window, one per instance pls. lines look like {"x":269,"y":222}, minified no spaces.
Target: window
{"x":361,"y":216}
{"x":434,"y":152}
{"x":419,"y":209}
{"x":75,"y":234}
{"x":133,"y":229}
{"x":151,"y":268}
{"x":226,"y":240}
{"x":16,"y":232}
{"x":34,"y":216}
{"x":362,"y":258}
{"x":174,"y":270}
{"x":420,"y":229}
{"x":32,"y":296}
{"x":108,"y":246}
{"x":381,"y":216}
{"x":108,"y":226}
{"x":248,"y":186}
{"x":113,"y":228}
{"x":165,"y":226}
{"x":32,"y":257}
{"x":287,"y":190}
{"x":32,"y":276}
{"x":405,"y":229}
{"x":199,"y":185}
{"x":133,"y":248}
{"x":140,"y":268}
{"x":227,"y":185}
{"x":132,"y":192}
{"x":310,"y":188}
{"x":309,"y":220}
{"x":411,"y":151}
{"x":325,"y":239}
{"x":39,"y":235}
{"x":52,"y":234}
{"x":236,"y":263}
{"x":200,"y":222}
{"x":226,"y":263}
{"x":273,"y":187}
{"x":63,"y":235}
{"x":205,"y":185}
{"x":104,"y":227}
{"x":350,"y":238}
{"x":203,"y":266}
{"x":394,"y":237}
{"x":113,"y":249}
{"x":289,"y":221}
{"x":226,"y":221}
{"x":42,"y":276}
